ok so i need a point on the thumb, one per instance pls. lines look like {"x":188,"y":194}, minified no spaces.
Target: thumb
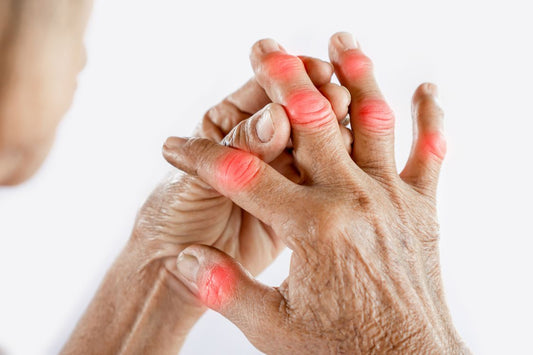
{"x":265,"y":134}
{"x":223,"y":285}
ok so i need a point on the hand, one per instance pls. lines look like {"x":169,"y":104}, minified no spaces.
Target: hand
{"x":42,"y":52}
{"x":364,"y":274}
{"x":141,"y":307}
{"x":184,"y":210}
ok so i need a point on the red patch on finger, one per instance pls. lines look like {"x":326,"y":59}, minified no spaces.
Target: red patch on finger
{"x":355,"y":65}
{"x":432,"y":145}
{"x":283,"y":67}
{"x":218,"y":286}
{"x":236,"y":171}
{"x":375,"y":116}
{"x":309,"y":108}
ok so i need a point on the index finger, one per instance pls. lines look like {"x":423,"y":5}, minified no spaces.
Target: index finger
{"x":312,"y":119}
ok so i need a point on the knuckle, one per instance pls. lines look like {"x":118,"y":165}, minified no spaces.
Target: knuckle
{"x":375,"y":116}
{"x":309,"y":107}
{"x":238,"y":170}
{"x":281,"y":66}
{"x":432,"y":145}
{"x":355,"y":64}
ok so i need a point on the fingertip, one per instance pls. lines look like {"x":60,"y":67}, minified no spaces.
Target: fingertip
{"x":339,"y":43}
{"x":172,"y":146}
{"x":427,"y":110}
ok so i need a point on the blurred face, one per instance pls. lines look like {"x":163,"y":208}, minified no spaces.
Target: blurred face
{"x":38,"y":69}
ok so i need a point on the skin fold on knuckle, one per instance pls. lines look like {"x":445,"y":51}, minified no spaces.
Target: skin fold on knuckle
{"x":375,"y":116}
{"x":237,"y":171}
{"x":308,"y":108}
{"x":217,"y":286}
{"x":280,"y":66}
{"x":432,"y":146}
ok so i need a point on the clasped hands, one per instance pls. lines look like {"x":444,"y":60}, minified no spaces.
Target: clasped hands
{"x":274,"y":165}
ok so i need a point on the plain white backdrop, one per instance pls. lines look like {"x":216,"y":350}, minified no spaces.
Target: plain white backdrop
{"x":156,"y":66}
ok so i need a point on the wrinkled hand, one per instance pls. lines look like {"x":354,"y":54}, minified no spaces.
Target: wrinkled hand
{"x":364,"y":274}
{"x":184,"y":210}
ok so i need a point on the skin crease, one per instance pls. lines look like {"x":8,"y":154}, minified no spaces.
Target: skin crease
{"x":364,"y":274}
{"x":236,"y":171}
{"x":42,"y":52}
{"x":154,"y":310}
{"x":308,"y":108}
{"x":375,"y":116}
{"x":218,"y":286}
{"x":432,"y":144}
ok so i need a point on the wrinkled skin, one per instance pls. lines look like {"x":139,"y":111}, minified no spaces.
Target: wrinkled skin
{"x":364,"y":274}
{"x":42,"y":53}
{"x":144,"y":306}
{"x":184,"y":210}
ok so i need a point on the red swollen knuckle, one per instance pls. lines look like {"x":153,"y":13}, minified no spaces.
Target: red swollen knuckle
{"x":237,"y":171}
{"x":354,"y":65}
{"x":217,"y":287}
{"x":432,"y":145}
{"x":375,"y":116}
{"x":310,"y":108}
{"x":281,"y":66}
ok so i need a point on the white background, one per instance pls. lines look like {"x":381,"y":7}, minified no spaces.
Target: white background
{"x":155,"y":67}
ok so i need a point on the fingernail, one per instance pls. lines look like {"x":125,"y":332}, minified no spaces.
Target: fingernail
{"x":265,"y":127}
{"x":346,"y":40}
{"x":188,"y":266}
{"x":268,"y":46}
{"x":173,"y":143}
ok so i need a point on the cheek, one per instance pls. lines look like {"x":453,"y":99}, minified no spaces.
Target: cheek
{"x":218,"y":287}
{"x":432,"y":145}
{"x":236,"y":171}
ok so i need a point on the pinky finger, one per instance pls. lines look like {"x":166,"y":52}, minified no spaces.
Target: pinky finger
{"x":429,"y":146}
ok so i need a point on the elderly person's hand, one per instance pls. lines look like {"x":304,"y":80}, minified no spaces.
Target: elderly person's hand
{"x":41,"y":55}
{"x":145,"y":308}
{"x":184,"y":210}
{"x":364,"y":275}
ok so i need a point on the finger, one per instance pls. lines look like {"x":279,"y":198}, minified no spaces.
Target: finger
{"x":223,"y":285}
{"x":347,"y":138}
{"x":265,"y":134}
{"x":429,"y":146}
{"x":244,"y":178}
{"x":339,"y":98}
{"x":372,"y":120}
{"x":312,"y":119}
{"x":249,"y":99}
{"x":319,"y":71}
